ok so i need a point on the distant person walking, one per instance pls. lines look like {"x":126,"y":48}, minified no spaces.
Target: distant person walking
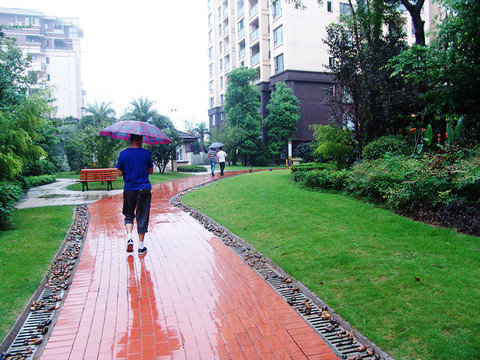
{"x":135,"y":165}
{"x":221,"y":156}
{"x":212,"y":156}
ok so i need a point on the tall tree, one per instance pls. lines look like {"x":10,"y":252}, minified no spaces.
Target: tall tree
{"x":280,"y":124}
{"x":201,"y":130}
{"x":361,"y":45}
{"x":242,"y":101}
{"x":141,"y":110}
{"x":99,"y":114}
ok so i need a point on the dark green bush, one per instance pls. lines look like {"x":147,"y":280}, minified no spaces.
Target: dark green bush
{"x":323,"y":179}
{"x":387,"y":145}
{"x":304,"y":151}
{"x":40,"y":167}
{"x":9,"y":195}
{"x":28,"y":182}
{"x":191,"y":168}
{"x":313,"y":166}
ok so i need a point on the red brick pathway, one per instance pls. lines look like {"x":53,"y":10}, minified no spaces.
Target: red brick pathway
{"x":189,"y":297}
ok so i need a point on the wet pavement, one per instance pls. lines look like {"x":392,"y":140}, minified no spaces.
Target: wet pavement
{"x":189,"y":297}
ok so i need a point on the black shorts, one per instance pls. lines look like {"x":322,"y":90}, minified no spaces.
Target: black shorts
{"x":136,"y":204}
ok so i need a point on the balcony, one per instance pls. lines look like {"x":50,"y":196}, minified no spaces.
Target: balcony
{"x":225,"y":12}
{"x":227,"y":66}
{"x":254,"y":10}
{"x":241,"y":11}
{"x":241,"y":32}
{"x":226,"y":48}
{"x":255,"y":59}
{"x":254,"y":34}
{"x":226,"y":29}
{"x":241,"y":53}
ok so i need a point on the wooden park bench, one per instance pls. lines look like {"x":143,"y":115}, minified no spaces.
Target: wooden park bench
{"x":88,"y":175}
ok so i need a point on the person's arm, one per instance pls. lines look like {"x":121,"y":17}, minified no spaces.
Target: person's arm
{"x":119,"y":172}
{"x":150,"y":170}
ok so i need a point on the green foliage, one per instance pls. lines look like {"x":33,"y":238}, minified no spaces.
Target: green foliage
{"x":312,"y":166}
{"x":28,"y":182}
{"x":280,"y":124}
{"x":326,"y":179}
{"x":40,"y":167}
{"x":9,"y":195}
{"x":15,"y":80}
{"x":332,"y":142}
{"x":191,"y":168}
{"x":87,"y":147}
{"x":304,"y":151}
{"x":390,"y":145}
{"x":242,"y":100}
{"x":161,"y":153}
{"x":98,"y":115}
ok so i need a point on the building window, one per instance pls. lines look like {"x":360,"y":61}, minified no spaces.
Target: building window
{"x":209,"y":19}
{"x":329,"y":6}
{"x":278,"y":36}
{"x":209,"y":3}
{"x":210,"y":52}
{"x":330,"y":62}
{"x":221,"y":82}
{"x":219,"y":12}
{"x":210,"y":69}
{"x":210,"y":86}
{"x":210,"y":36}
{"x":221,"y":64}
{"x":241,"y":28}
{"x":277,"y":9}
{"x":345,"y":9}
{"x":48,"y":77}
{"x":212,"y":102}
{"x":47,"y":60}
{"x":279,"y":64}
{"x":221,"y":99}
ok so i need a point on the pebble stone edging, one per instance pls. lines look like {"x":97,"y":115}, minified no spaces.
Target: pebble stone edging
{"x":346,"y":341}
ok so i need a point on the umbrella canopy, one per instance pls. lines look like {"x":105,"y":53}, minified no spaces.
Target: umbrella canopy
{"x":122,"y":130}
{"x":215,"y":145}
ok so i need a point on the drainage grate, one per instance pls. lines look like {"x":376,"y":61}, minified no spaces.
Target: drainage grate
{"x":333,"y":330}
{"x":34,"y":330}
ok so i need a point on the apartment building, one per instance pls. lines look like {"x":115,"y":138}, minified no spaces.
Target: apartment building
{"x":283,"y":44}
{"x":54,"y":46}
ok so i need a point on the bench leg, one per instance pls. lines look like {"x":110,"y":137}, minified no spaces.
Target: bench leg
{"x":109,"y":185}
{"x":84,"y":184}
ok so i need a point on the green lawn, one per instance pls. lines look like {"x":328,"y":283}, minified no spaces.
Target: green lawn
{"x":118,"y":185}
{"x":26,"y":253}
{"x":411,"y":288}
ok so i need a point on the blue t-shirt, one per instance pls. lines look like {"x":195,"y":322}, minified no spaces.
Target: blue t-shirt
{"x":135,"y":162}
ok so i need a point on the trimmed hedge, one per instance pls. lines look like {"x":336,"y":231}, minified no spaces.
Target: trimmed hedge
{"x":192,"y":168}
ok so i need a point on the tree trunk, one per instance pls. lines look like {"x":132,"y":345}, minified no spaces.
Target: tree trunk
{"x":418,"y":23}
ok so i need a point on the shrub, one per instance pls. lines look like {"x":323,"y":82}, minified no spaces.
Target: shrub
{"x":28,"y":182}
{"x":191,"y":168}
{"x":313,"y":166}
{"x":304,"y":151}
{"x":9,"y":195}
{"x":40,"y":167}
{"x":392,"y":145}
{"x":323,"y":179}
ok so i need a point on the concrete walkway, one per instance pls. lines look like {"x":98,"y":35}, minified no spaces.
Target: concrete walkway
{"x":189,"y":297}
{"x":57,"y":194}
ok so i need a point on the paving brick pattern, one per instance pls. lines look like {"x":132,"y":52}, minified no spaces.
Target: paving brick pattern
{"x":189,"y":297}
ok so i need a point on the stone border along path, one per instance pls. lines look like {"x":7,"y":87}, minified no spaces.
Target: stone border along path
{"x":345,"y":340}
{"x":31,"y":331}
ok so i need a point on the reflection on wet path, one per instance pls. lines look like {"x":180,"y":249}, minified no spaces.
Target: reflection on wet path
{"x":189,"y":297}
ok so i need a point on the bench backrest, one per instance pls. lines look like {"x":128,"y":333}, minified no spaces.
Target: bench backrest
{"x":98,"y":174}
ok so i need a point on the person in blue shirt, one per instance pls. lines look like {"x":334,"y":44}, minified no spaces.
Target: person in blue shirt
{"x":135,"y":165}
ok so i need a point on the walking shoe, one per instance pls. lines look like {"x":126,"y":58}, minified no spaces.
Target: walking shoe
{"x":142,"y":251}
{"x":130,"y":245}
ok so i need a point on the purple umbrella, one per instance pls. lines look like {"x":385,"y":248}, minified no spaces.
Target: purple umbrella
{"x":122,"y":130}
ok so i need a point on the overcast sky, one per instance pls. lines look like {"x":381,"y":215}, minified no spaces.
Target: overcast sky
{"x":144,"y":48}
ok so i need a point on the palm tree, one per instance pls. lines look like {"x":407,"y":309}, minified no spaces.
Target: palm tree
{"x":99,"y":114}
{"x":140,"y":110}
{"x":201,"y":129}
